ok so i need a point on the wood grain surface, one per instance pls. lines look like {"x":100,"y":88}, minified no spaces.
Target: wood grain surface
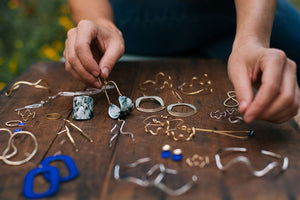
{"x":96,"y":161}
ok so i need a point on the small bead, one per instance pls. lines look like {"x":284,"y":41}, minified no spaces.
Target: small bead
{"x":166,"y":153}
{"x":21,"y":124}
{"x":177,"y":155}
{"x":17,"y":130}
{"x":251,"y":133}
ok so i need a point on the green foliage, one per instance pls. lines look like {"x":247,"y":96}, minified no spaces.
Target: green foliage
{"x":30,"y":31}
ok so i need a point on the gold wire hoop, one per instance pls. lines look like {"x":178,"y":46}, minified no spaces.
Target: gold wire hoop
{"x":13,"y":123}
{"x":13,"y":146}
{"x":139,"y":100}
{"x":10,"y":143}
{"x":16,"y":85}
{"x":53,"y":116}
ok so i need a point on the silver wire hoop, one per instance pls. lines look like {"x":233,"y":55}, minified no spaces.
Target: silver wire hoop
{"x":180,"y":114}
{"x":139,"y":100}
{"x":10,"y":142}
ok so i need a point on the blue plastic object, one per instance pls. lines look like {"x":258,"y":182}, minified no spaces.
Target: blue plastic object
{"x":165,"y":154}
{"x":70,"y":164}
{"x":176,"y":157}
{"x":52,"y":172}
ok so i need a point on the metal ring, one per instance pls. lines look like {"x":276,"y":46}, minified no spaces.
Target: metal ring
{"x":179,"y":114}
{"x":53,"y":116}
{"x":152,"y":98}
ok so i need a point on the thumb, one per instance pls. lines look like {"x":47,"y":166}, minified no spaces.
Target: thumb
{"x":242,"y":84}
{"x":110,"y":57}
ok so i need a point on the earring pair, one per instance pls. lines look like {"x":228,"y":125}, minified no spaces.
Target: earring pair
{"x":166,"y":153}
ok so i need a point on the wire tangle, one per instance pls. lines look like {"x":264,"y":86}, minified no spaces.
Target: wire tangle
{"x":154,"y":177}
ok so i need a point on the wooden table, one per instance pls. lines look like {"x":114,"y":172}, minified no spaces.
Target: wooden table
{"x":96,"y":161}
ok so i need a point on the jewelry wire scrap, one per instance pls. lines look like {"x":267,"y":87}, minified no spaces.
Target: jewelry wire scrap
{"x":245,"y":160}
{"x":11,"y":143}
{"x":120,"y":131}
{"x":157,"y":181}
{"x":16,"y":85}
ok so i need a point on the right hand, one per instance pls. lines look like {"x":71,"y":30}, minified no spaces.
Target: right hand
{"x":79,"y":60}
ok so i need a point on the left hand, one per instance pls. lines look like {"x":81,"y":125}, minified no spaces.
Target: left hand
{"x":277,"y":98}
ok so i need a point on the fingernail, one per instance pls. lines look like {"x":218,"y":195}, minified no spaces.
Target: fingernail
{"x":105,"y":72}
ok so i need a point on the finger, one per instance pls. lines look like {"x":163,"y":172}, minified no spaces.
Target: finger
{"x":242,"y":86}
{"x":112,"y":54}
{"x":286,"y":103}
{"x":75,"y":67}
{"x":86,"y":33}
{"x":272,"y":68}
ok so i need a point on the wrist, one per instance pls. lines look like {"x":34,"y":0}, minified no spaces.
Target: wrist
{"x":246,"y":40}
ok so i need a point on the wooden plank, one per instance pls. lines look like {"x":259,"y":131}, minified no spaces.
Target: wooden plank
{"x":237,"y":183}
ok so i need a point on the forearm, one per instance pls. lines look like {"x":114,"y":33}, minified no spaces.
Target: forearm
{"x":255,"y":20}
{"x":98,"y":11}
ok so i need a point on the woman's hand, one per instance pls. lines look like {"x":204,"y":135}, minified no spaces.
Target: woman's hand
{"x":277,"y":98}
{"x":80,"y":61}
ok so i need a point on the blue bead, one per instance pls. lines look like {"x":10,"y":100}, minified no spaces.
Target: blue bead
{"x":166,"y":154}
{"x":21,"y":124}
{"x":176,"y":157}
{"x":251,"y":133}
{"x":17,"y":130}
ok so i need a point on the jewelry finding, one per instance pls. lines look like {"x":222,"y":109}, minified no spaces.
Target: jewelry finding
{"x":167,"y":81}
{"x":11,"y":144}
{"x":53,"y":116}
{"x":181,"y":114}
{"x":120,"y":131}
{"x":88,"y":92}
{"x":156,"y":181}
{"x":13,"y":123}
{"x":126,"y":104}
{"x":245,"y":160}
{"x":205,"y":81}
{"x":151,"y":98}
{"x":231,"y":97}
{"x":26,"y":115}
{"x":166,"y":151}
{"x":16,"y":85}
{"x":197,"y":160}
{"x":177,"y":155}
{"x":67,"y":130}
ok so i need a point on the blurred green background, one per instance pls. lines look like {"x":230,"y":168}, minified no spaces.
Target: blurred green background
{"x":32,"y":31}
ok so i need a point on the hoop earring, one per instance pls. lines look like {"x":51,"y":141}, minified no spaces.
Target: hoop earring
{"x":179,"y":114}
{"x":149,"y":98}
{"x":126,"y":104}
